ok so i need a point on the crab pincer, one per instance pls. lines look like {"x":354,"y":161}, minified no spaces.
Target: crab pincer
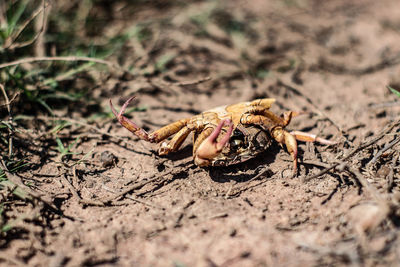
{"x":127,"y":123}
{"x":211,"y":147}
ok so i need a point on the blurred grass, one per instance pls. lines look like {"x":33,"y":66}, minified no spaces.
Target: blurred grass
{"x":43,"y":85}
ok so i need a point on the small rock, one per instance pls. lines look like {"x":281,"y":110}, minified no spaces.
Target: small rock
{"x":365,"y":218}
{"x":107,"y":159}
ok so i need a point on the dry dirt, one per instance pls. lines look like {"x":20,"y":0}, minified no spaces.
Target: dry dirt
{"x":330,"y":59}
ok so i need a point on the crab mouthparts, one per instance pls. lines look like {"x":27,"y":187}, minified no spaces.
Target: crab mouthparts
{"x":210,"y":148}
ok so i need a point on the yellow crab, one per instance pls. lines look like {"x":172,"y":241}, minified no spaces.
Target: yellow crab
{"x":226,"y":135}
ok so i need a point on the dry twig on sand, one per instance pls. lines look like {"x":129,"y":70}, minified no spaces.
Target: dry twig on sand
{"x":361,"y":147}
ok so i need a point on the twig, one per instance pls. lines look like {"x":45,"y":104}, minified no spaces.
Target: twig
{"x":385,"y":131}
{"x":126,"y":191}
{"x":76,"y":195}
{"x":240,"y":189}
{"x":316,"y":109}
{"x":184,"y":83}
{"x":365,"y":184}
{"x":10,"y":102}
{"x":383,"y":150}
{"x":315,"y":163}
{"x":70,"y":187}
{"x":79,"y":122}
{"x":66,"y":58}
{"x":390,"y":177}
{"x":40,"y":26}
{"x":41,"y":9}
{"x":170,"y":85}
{"x":74,"y":175}
{"x":384,"y":105}
{"x":134,"y":199}
{"x":218,"y":216}
{"x":10,"y":121}
{"x":136,"y":186}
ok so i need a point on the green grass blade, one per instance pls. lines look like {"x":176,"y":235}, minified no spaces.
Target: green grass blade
{"x":44,"y":104}
{"x":59,"y":126}
{"x":394,"y":91}
{"x":73,"y":144}
{"x":60,"y":146}
{"x":162,"y":62}
{"x":68,"y":74}
{"x":16,"y":190}
{"x":15,"y":16}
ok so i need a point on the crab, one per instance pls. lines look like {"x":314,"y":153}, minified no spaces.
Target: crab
{"x":226,"y":135}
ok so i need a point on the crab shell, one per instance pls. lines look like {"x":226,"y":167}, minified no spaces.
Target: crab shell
{"x":245,"y":143}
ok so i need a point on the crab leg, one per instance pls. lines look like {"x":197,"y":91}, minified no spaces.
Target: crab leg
{"x":266,"y":116}
{"x":210,"y":147}
{"x":154,"y":137}
{"x":270,"y":121}
{"x":307,"y":137}
{"x":168,"y":130}
{"x":291,"y":146}
{"x":288,"y":115}
{"x":175,"y":142}
{"x":265,"y":103}
{"x":289,"y":139}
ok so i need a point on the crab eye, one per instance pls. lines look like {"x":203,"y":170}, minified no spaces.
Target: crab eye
{"x":236,"y":143}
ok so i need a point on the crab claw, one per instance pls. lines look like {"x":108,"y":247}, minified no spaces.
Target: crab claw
{"x":211,"y":147}
{"x":127,"y":123}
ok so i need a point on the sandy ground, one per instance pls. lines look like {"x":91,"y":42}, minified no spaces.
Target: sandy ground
{"x":330,"y":59}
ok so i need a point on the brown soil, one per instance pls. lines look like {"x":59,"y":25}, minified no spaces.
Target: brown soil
{"x":331,"y":59}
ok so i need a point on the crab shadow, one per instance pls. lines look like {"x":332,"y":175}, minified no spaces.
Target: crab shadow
{"x":240,"y":172}
{"x":181,"y":154}
{"x":245,"y":171}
